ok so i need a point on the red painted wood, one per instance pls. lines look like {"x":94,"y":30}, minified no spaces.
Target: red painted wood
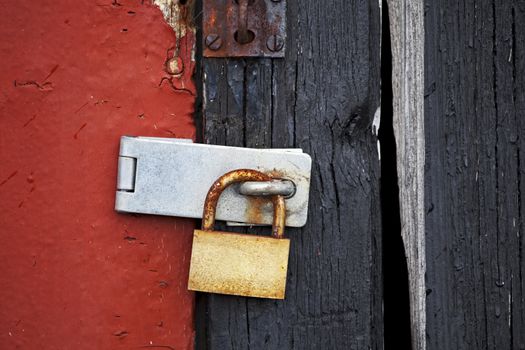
{"x":74,"y":77}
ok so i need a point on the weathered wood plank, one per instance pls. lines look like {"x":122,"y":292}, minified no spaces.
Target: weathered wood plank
{"x":322,"y":98}
{"x":474,"y":81}
{"x":407,"y":40}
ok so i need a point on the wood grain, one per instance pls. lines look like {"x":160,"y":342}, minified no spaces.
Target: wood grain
{"x":407,"y":40}
{"x":322,"y":98}
{"x":474,"y":105}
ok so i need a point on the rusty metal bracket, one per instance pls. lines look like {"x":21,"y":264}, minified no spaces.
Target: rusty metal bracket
{"x":244,"y":28}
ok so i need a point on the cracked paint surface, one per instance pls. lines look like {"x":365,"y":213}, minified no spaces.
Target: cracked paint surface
{"x":76,"y":274}
{"x":180,"y":18}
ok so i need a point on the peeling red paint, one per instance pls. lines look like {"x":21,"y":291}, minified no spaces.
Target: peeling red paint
{"x":75,"y":76}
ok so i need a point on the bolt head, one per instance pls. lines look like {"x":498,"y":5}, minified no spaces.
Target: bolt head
{"x":213,"y":42}
{"x":275,"y":43}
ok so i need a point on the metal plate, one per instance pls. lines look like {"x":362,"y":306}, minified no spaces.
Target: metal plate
{"x":266,"y":19}
{"x":172,"y":177}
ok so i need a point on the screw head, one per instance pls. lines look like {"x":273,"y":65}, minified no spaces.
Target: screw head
{"x":213,"y":42}
{"x":275,"y":43}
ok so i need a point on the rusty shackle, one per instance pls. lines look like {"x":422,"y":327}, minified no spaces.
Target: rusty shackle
{"x":241,"y":175}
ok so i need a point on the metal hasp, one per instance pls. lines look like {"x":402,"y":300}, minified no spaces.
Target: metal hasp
{"x":244,"y":28}
{"x":165,"y":176}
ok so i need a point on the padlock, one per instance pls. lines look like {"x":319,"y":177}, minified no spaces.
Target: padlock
{"x":239,"y":264}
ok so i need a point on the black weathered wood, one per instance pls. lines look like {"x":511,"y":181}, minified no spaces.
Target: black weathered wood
{"x":475,"y":137}
{"x":322,"y":98}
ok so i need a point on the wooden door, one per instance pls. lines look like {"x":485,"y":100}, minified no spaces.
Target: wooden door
{"x":474,"y":117}
{"x":75,"y":77}
{"x":80,"y":276}
{"x":322,"y":97}
{"x":458,"y":78}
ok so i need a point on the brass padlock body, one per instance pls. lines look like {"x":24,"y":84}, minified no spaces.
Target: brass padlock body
{"x":239,"y":264}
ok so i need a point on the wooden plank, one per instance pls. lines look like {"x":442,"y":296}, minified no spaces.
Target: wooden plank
{"x":474,"y":81}
{"x":322,"y":97}
{"x":407,"y":35}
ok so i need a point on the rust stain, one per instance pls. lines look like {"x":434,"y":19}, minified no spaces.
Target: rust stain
{"x":278,"y":174}
{"x":246,"y":27}
{"x":254,"y":212}
{"x":212,"y":18}
{"x":235,"y":176}
{"x":241,"y":175}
